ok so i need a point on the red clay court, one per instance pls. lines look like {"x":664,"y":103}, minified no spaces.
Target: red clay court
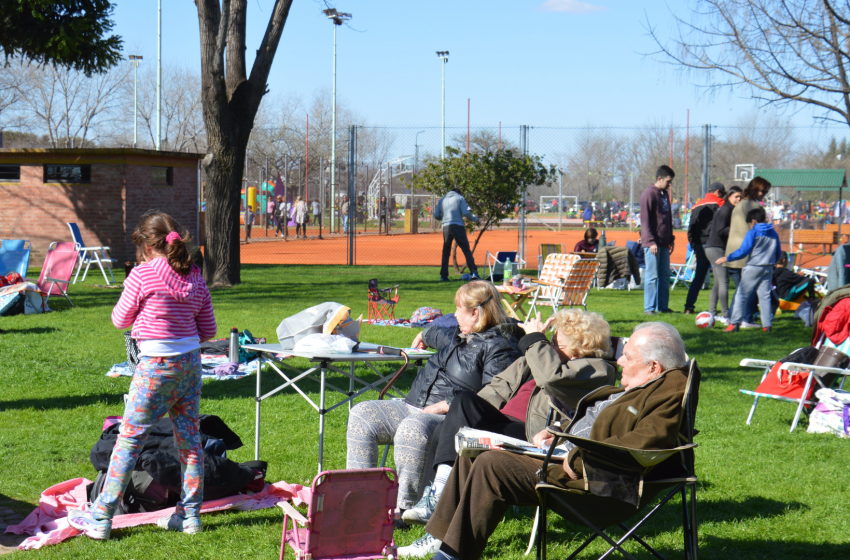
{"x":424,"y":249}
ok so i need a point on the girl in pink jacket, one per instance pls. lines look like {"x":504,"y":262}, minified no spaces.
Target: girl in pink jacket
{"x":166,"y":301}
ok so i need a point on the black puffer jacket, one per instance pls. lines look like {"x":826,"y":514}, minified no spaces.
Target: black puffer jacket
{"x":463,"y":362}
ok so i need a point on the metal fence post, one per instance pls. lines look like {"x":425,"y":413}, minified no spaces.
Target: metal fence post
{"x":352,"y":201}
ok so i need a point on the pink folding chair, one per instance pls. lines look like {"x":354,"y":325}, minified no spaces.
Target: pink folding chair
{"x":57,"y":270}
{"x":350,"y":517}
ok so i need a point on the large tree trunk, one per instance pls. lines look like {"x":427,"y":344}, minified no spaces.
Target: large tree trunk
{"x":230,"y":103}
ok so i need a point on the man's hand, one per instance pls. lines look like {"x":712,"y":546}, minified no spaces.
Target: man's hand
{"x":535,"y":324}
{"x":418,"y":342}
{"x":653,"y":249}
{"x":436,"y":408}
{"x":570,"y":472}
{"x":721,"y":260}
{"x":543,"y":439}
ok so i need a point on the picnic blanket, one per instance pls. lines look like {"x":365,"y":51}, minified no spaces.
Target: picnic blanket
{"x":48,"y":523}
{"x":209,"y":362}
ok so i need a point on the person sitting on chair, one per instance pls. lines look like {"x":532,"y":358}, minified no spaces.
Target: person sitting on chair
{"x":468,"y":357}
{"x":789,"y":284}
{"x":517,"y":402}
{"x":643,"y":413}
{"x":590,"y":243}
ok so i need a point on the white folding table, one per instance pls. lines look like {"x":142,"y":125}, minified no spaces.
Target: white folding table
{"x":367,"y":354}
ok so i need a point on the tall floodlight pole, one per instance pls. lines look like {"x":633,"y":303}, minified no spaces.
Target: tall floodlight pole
{"x":337,"y":18}
{"x":159,"y":76}
{"x":444,"y":56}
{"x":135,"y":59}
{"x":416,"y":157}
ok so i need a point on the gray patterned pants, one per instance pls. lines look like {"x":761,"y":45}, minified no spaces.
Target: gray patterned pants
{"x":392,"y":422}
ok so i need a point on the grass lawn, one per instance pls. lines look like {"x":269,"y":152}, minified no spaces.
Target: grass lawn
{"x":764,"y":493}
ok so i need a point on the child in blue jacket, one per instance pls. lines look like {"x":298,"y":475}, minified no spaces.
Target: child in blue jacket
{"x":762,"y":245}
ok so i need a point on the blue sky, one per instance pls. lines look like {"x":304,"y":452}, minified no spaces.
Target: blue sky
{"x":537,"y":62}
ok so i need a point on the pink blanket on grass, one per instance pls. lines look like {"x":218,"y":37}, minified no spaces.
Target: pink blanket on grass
{"x":48,"y":523}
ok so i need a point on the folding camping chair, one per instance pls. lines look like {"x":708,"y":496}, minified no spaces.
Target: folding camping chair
{"x":550,"y":281}
{"x":571,"y":285}
{"x":381,"y":306}
{"x":801,"y":396}
{"x":544,"y":251}
{"x":660,"y":470}
{"x":496,"y":264}
{"x":574,"y":289}
{"x":58,"y":268}
{"x":15,"y":256}
{"x":357,"y":524}
{"x":89,"y":255}
{"x":684,"y":273}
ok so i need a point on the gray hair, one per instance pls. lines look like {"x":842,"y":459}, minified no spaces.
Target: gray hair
{"x":662,"y":344}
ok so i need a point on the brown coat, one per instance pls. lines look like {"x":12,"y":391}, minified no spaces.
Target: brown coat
{"x":738,"y":228}
{"x":568,"y":382}
{"x":646,"y":417}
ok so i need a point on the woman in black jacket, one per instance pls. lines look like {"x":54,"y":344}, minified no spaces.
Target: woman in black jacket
{"x":468,"y":357}
{"x":716,"y":248}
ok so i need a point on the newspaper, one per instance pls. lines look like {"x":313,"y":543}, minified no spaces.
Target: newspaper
{"x":471,"y":443}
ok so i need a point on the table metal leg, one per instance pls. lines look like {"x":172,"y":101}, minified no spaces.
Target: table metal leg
{"x":322,"y":414}
{"x":350,"y":384}
{"x":259,"y":400}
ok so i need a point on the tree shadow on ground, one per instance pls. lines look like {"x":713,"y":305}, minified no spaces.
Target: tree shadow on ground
{"x":12,"y":512}
{"x":62,"y":403}
{"x":31,"y":330}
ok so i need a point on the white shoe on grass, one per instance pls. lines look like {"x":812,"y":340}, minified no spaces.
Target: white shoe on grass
{"x":174,"y":522}
{"x":426,"y":547}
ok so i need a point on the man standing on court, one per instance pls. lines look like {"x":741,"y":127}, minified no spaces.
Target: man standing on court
{"x":656,"y":236}
{"x":452,"y":209}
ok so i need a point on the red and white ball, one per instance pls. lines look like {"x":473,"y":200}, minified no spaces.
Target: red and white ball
{"x":705,"y":320}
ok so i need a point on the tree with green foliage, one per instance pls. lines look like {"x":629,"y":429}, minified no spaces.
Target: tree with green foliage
{"x":70,"y":33}
{"x":493,"y":184}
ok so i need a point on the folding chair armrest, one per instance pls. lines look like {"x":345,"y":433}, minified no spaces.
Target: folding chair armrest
{"x":626,"y":457}
{"x":749,"y":362}
{"x":791,"y":366}
{"x":290,"y":510}
{"x":93,"y":248}
{"x":551,"y":284}
{"x":56,"y":280}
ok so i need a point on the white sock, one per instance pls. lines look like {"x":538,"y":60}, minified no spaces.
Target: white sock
{"x":443,"y":472}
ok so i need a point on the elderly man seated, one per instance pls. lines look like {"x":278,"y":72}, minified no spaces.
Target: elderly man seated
{"x":643,"y":413}
{"x":516,"y":402}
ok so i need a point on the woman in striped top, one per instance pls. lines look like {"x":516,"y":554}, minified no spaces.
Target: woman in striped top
{"x":166,"y":301}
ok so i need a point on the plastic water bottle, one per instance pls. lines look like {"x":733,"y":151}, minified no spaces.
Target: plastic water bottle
{"x":234,"y":345}
{"x":509,"y":270}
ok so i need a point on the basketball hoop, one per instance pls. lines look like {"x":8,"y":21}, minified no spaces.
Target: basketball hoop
{"x":745,"y":172}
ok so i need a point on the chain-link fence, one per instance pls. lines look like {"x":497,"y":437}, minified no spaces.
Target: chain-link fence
{"x":594,"y":164}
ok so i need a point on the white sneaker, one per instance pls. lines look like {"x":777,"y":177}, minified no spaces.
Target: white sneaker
{"x":722,"y":320}
{"x":426,"y":547}
{"x":746,"y":325}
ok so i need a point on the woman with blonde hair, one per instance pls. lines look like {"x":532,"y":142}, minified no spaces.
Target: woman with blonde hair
{"x":517,"y":402}
{"x":468,"y":357}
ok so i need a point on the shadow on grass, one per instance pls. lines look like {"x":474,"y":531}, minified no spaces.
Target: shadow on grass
{"x":669,"y":518}
{"x":62,"y":403}
{"x":247,"y":386}
{"x":31,"y":330}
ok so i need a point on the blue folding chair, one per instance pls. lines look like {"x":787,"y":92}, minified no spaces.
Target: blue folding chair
{"x":496,"y":264}
{"x":684,"y":273}
{"x":89,"y":255}
{"x":15,"y":256}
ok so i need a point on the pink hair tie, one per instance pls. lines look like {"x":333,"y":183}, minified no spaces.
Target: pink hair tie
{"x":172,"y":237}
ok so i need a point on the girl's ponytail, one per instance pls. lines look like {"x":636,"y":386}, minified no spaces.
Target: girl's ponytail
{"x":162,"y":232}
{"x":178,"y":253}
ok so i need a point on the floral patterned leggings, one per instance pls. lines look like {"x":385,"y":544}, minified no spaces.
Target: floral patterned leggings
{"x":169,"y":385}
{"x":392,"y":422}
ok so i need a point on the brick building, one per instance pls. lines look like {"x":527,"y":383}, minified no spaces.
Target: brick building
{"x":103,"y":190}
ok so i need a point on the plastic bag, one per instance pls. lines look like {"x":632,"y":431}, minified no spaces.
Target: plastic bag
{"x":327,"y":318}
{"x":325,"y":344}
{"x":832,"y":413}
